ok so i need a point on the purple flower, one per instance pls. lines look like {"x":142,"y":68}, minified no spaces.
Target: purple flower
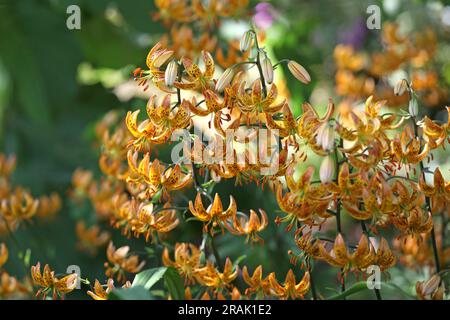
{"x":355,"y":35}
{"x":264,"y":15}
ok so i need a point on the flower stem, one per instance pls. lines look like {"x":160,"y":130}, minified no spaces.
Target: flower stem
{"x":338,"y":210}
{"x":311,"y":280}
{"x":258,"y":64}
{"x":366,"y":232}
{"x":215,"y":252}
{"x":428,"y":205}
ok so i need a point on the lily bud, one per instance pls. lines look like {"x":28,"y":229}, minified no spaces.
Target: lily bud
{"x":413,"y":108}
{"x":171,"y":73}
{"x":430,"y":289}
{"x":299,"y":72}
{"x":246,"y":41}
{"x":224,"y":80}
{"x":325,"y":137}
{"x":326,"y":170}
{"x":400,"y":87}
{"x":431,"y":285}
{"x":267,"y":70}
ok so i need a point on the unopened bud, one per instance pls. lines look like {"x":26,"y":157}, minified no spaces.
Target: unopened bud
{"x":325,"y":137}
{"x":246,"y":41}
{"x":326,"y":170}
{"x":400,"y":87}
{"x":224,"y":80}
{"x":431,"y":285}
{"x":413,"y":108}
{"x":171,"y":73}
{"x":299,"y":72}
{"x":267,"y":70}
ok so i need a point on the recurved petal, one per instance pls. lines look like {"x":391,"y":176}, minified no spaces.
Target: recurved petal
{"x":198,"y":210}
{"x":232,"y":208}
{"x":303,"y":286}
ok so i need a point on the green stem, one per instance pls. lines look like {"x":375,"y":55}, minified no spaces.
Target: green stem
{"x":311,"y":280}
{"x":338,"y":210}
{"x":366,"y":232}
{"x":215,"y":252}
{"x":258,"y":64}
{"x":428,"y":206}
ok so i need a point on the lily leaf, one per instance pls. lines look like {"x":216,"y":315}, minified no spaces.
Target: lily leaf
{"x":134,"y":293}
{"x":172,"y":280}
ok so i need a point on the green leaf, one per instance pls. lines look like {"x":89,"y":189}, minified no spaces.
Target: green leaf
{"x":134,"y":293}
{"x":174,"y":284}
{"x":359,"y":286}
{"x":148,"y":278}
{"x":172,"y":280}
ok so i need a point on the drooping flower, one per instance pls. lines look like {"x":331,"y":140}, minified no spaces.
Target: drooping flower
{"x":257,"y":284}
{"x":91,"y":238}
{"x":214,"y":215}
{"x":210,"y":276}
{"x":186,"y":260}
{"x":49,"y":283}
{"x":120,"y":262}
{"x":290,"y":288}
{"x":101,"y":293}
{"x":249,"y":225}
{"x":197,"y":79}
{"x":439,"y":192}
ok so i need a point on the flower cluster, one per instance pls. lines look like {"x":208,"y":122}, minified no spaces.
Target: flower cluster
{"x":17,"y":205}
{"x":359,"y":73}
{"x":375,"y":167}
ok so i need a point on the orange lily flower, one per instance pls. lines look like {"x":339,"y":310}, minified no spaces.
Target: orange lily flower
{"x":249,"y":226}
{"x":7,"y":165}
{"x":309,"y":124}
{"x":307,"y":243}
{"x":146,"y":130}
{"x":384,"y":258}
{"x":434,"y":133}
{"x":12,"y":289}
{"x":196,"y":79}
{"x":161,"y":115}
{"x":406,"y":147}
{"x":49,"y":283}
{"x":48,"y":205}
{"x":286,"y":126}
{"x":214,"y":214}
{"x":254,"y":102}
{"x":169,"y":10}
{"x":20,"y":206}
{"x":101,"y":293}
{"x":290,"y":289}
{"x":140,"y":218}
{"x":156,"y":58}
{"x":257,"y":284}
{"x":211,"y":277}
{"x":187,"y":260}
{"x":156,"y":176}
{"x":413,"y":222}
{"x":360,"y":259}
{"x":121,"y":262}
{"x":439,"y":192}
{"x":304,"y":200}
{"x":90,"y":239}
